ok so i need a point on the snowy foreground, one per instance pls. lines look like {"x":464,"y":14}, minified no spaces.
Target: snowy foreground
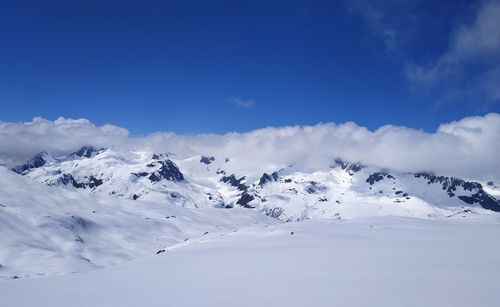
{"x":61,"y":246}
{"x":381,"y":261}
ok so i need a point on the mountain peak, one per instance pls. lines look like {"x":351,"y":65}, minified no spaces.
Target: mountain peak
{"x":37,"y":161}
{"x":87,"y":151}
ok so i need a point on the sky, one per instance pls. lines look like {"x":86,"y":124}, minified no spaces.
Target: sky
{"x":219,"y":66}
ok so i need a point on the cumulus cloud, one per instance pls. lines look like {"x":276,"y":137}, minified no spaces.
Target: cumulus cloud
{"x":474,"y":50}
{"x":244,"y":103}
{"x":467,"y":148}
{"x":21,"y":140}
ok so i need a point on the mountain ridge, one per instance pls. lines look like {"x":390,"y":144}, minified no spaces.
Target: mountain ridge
{"x":209,"y":181}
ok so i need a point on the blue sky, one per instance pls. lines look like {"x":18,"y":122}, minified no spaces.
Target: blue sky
{"x":218,"y":66}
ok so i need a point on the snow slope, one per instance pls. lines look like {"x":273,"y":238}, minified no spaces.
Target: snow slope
{"x":51,"y":230}
{"x":384,"y":261}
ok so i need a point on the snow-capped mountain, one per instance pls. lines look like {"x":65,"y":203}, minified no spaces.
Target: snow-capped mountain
{"x":339,"y":190}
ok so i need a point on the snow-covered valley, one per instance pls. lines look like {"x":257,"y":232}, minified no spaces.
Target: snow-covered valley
{"x":383,"y":261}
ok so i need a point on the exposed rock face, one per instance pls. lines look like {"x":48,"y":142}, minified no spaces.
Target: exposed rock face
{"x":94,"y":182}
{"x":37,"y":161}
{"x":140,"y":174}
{"x":68,"y":179}
{"x":268,"y":178}
{"x":375,"y":177}
{"x":235,"y":182}
{"x":351,"y":168}
{"x":168,"y":171}
{"x":450,"y":185}
{"x":159,"y":156}
{"x":207,"y":160}
{"x":87,"y":152}
{"x":245,"y":200}
{"x":274,"y":212}
{"x":314,"y":187}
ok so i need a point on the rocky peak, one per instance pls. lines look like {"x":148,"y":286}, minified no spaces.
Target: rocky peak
{"x":87,"y":152}
{"x":168,"y":171}
{"x":350,"y":168}
{"x":266,"y":178}
{"x":37,"y":161}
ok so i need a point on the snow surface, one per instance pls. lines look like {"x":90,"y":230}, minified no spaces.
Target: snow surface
{"x":384,"y":261}
{"x":49,"y":230}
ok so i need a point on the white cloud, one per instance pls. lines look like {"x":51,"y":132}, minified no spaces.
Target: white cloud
{"x":244,"y":103}
{"x":467,"y":148}
{"x":21,"y":140}
{"x":473,"y":52}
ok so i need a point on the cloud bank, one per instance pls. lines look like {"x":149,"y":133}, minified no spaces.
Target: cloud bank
{"x":469,"y":147}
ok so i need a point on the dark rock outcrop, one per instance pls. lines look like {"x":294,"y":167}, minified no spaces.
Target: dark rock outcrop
{"x":37,"y":161}
{"x":207,"y":160}
{"x":351,"y":168}
{"x":87,"y":152}
{"x":485,"y":200}
{"x":275,"y":212}
{"x":140,"y":174}
{"x":160,"y":156}
{"x":315,"y":187}
{"x":168,"y":171}
{"x":235,"y":182}
{"x":94,"y":182}
{"x":450,"y":185}
{"x":376,"y":177}
{"x":68,"y":179}
{"x":245,"y":200}
{"x":266,"y":178}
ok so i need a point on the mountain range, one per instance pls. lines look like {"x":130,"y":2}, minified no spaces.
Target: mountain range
{"x":343,"y":189}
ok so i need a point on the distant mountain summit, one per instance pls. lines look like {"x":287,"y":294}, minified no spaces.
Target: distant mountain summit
{"x":87,"y":152}
{"x":37,"y":161}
